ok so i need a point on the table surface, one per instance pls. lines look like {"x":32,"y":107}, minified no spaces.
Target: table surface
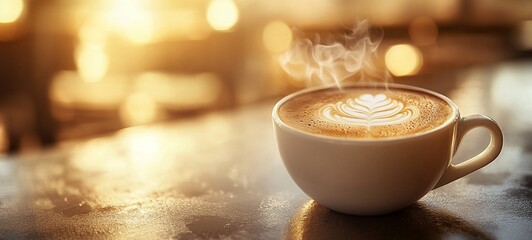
{"x":219,"y":175}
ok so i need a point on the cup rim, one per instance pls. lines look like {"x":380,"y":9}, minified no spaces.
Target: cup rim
{"x":277,"y":120}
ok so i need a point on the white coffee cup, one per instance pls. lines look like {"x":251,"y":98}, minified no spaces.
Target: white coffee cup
{"x":379,"y":176}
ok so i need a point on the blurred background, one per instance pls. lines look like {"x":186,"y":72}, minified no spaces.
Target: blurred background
{"x":73,"y":69}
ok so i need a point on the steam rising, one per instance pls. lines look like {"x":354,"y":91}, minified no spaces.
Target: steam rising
{"x":334,"y":58}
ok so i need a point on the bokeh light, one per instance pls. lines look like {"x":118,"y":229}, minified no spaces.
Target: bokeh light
{"x":139,"y":108}
{"x":403,"y":60}
{"x":277,"y":36}
{"x":180,"y":91}
{"x":222,"y":15}
{"x":68,"y":90}
{"x":134,"y":24}
{"x":93,"y":31}
{"x":92,"y":62}
{"x":142,"y":32}
{"x":186,"y":23}
{"x":423,"y":31}
{"x":130,"y":19}
{"x":10,"y":10}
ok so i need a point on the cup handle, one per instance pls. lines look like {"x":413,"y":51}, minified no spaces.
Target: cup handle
{"x":489,"y":154}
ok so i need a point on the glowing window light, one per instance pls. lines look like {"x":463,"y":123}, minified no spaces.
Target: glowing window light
{"x":403,"y":59}
{"x":222,"y":15}
{"x":10,"y":10}
{"x":277,"y":36}
{"x":92,"y":62}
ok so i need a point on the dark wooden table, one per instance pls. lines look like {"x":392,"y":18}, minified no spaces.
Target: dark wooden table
{"x":220,"y":176}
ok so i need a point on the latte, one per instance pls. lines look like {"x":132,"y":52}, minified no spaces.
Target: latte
{"x":365,"y":112}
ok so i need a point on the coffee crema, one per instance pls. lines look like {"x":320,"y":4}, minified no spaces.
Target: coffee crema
{"x":365,"y":112}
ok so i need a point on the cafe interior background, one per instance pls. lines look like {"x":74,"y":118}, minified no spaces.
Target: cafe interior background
{"x":74,"y":70}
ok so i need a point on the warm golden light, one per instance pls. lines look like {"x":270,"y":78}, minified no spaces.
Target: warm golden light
{"x":185,"y":23}
{"x":166,"y":91}
{"x":403,"y":59}
{"x":92,"y":62}
{"x":423,"y":31}
{"x":139,"y":108}
{"x":175,"y":91}
{"x":93,"y":31}
{"x":138,"y":168}
{"x":130,"y":19}
{"x":136,"y":26}
{"x":69,"y":90}
{"x":277,"y":36}
{"x":297,"y":228}
{"x":142,"y":33}
{"x":10,"y":10}
{"x":222,"y":14}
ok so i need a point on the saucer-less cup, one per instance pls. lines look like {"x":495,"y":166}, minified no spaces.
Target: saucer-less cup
{"x":379,"y":176}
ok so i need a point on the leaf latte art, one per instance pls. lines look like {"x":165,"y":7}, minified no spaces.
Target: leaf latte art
{"x":368,"y":110}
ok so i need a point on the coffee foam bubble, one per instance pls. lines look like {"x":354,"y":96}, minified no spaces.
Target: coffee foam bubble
{"x":365,"y":112}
